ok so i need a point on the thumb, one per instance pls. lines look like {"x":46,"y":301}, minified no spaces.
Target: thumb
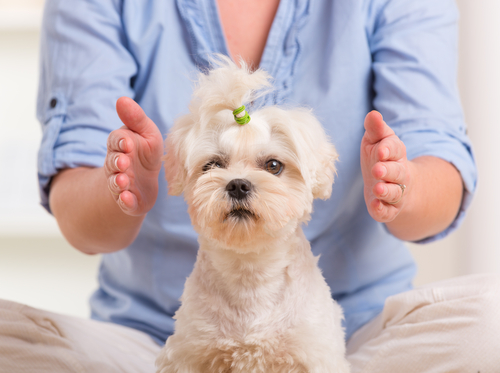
{"x":132,"y":116}
{"x":375,"y":127}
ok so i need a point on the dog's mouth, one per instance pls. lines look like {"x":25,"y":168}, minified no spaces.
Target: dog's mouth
{"x":240,"y":213}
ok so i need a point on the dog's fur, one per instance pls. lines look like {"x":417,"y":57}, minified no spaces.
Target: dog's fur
{"x":256,"y":300}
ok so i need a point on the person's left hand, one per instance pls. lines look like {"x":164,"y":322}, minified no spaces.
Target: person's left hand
{"x":384,"y":165}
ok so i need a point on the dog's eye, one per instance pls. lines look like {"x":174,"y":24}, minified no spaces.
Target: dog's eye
{"x":274,"y":167}
{"x":210,"y":165}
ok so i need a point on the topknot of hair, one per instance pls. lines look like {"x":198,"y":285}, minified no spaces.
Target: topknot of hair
{"x":227,"y":87}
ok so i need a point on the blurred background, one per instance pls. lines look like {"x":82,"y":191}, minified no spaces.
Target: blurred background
{"x":37,"y":266}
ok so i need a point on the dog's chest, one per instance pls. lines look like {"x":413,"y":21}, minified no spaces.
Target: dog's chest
{"x":254,"y":318}
{"x":248,"y":301}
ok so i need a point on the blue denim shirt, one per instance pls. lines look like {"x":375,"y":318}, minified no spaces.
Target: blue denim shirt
{"x":342,"y":58}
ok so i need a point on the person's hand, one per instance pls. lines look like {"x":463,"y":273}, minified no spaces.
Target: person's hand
{"x":384,"y":165}
{"x":133,"y":161}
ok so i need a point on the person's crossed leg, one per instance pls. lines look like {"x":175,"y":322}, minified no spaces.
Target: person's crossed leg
{"x":446,"y":327}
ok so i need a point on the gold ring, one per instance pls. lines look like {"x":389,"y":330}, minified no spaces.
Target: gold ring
{"x":403,"y":187}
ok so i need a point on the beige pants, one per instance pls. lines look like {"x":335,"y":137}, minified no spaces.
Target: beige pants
{"x":451,"y":326}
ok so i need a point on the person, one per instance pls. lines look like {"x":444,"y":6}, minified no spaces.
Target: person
{"x":406,"y":171}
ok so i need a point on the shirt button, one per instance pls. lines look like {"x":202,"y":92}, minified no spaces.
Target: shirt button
{"x":53,"y":103}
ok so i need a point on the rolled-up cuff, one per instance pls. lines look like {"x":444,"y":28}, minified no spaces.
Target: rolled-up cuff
{"x":83,"y":146}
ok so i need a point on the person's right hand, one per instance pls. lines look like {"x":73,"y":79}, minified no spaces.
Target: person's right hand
{"x":133,"y":161}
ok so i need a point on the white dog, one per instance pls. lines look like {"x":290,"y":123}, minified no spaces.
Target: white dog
{"x":256,"y":300}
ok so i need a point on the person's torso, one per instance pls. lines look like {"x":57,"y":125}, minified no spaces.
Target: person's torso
{"x":318,"y":53}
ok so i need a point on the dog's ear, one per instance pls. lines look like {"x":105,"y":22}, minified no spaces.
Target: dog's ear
{"x":174,"y":169}
{"x":318,"y":153}
{"x":173,"y":160}
{"x":322,"y":182}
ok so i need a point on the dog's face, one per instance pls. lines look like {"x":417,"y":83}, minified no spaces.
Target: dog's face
{"x":251,"y":184}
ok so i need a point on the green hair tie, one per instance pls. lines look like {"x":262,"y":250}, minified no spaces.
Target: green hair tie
{"x":241,"y":115}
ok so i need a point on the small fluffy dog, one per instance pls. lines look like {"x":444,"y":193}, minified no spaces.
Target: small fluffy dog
{"x":256,"y":300}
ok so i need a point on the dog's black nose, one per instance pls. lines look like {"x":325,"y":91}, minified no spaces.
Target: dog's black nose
{"x":239,"y":188}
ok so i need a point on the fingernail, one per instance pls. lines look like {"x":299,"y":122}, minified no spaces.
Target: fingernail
{"x":114,"y":181}
{"x":121,"y":144}
{"x":123,"y":205}
{"x":384,"y":171}
{"x":116,"y":162}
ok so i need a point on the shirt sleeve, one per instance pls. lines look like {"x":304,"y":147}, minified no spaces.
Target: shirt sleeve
{"x":85,"y":68}
{"x":414,"y":52}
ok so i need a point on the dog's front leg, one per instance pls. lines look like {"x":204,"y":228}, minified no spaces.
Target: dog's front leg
{"x":187,"y":355}
{"x":170,"y":360}
{"x":165,"y":365}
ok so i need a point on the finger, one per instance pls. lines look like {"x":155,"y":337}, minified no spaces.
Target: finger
{"x":392,"y":172}
{"x":127,"y":202}
{"x":118,"y":183}
{"x":382,"y":212}
{"x":116,"y":162}
{"x":119,"y":141}
{"x":132,"y":116}
{"x":390,"y":149}
{"x":375,"y":127}
{"x":113,"y":186}
{"x":388,"y":192}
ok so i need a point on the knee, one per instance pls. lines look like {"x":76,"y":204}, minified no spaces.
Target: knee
{"x":486,"y":291}
{"x":488,"y":296}
{"x":481,"y":313}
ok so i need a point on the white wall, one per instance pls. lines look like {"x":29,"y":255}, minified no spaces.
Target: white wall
{"x":37,"y":266}
{"x":20,"y":213}
{"x":45,"y":272}
{"x":20,"y":136}
{"x":480,"y":89}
